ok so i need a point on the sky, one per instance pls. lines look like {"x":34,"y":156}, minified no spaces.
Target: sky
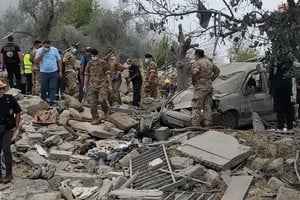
{"x":188,"y":24}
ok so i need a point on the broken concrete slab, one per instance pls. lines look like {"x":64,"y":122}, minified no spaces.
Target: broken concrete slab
{"x":52,"y":140}
{"x":59,"y":155}
{"x":178,"y":162}
{"x":216,"y":150}
{"x":275,"y":183}
{"x":86,"y":113}
{"x":123,"y":121}
{"x":124,"y":162}
{"x":84,"y":192}
{"x":72,"y":102}
{"x":276,"y":165}
{"x":257,"y":123}
{"x":32,"y":104}
{"x":105,"y":188}
{"x":47,"y":196}
{"x":131,"y":194}
{"x":35,"y":137}
{"x":94,"y":130}
{"x":24,"y":189}
{"x":34,"y":159}
{"x":79,"y":158}
{"x":64,"y":117}
{"x":237,"y":188}
{"x":88,"y":180}
{"x":287,"y":194}
{"x":66,"y":146}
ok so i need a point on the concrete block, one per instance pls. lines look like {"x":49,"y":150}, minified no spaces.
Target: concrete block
{"x":48,"y":196}
{"x":66,"y":146}
{"x":52,"y":140}
{"x":162,"y":133}
{"x":123,"y":121}
{"x":181,"y":162}
{"x":35,"y":137}
{"x":88,"y":180}
{"x":103,"y":170}
{"x":34,"y":159}
{"x":94,"y":130}
{"x":194,"y":171}
{"x":59,"y":155}
{"x":275,"y":183}
{"x":276,"y":165}
{"x":156,"y":163}
{"x":74,"y":113}
{"x":79,"y":159}
{"x":212,"y":177}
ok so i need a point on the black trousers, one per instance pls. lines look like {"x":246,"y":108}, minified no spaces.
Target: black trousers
{"x":5,"y":141}
{"x":283,"y":107}
{"x":13,"y":70}
{"x":28,"y":83}
{"x":137,"y":85}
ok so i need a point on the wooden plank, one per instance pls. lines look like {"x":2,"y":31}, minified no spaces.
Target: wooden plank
{"x":237,"y":188}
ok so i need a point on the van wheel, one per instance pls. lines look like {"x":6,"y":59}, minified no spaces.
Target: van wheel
{"x":229,"y":120}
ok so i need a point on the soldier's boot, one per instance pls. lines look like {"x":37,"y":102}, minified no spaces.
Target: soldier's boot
{"x":96,"y":121}
{"x":7,"y":178}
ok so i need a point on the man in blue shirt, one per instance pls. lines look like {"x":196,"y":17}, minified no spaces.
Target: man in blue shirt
{"x":49,"y":60}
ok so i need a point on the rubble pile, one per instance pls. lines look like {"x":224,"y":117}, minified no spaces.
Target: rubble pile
{"x":58,"y":154}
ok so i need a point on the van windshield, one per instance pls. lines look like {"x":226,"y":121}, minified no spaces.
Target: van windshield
{"x":229,"y":83}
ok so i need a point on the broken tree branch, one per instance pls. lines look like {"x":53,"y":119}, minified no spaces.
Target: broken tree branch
{"x":295,"y":165}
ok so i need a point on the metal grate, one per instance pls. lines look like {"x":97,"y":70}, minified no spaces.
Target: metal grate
{"x":183,"y":195}
{"x":151,"y":178}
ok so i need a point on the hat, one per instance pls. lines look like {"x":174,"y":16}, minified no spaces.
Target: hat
{"x":148,"y":55}
{"x":2,"y":84}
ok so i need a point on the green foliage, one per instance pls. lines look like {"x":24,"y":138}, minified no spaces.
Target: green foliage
{"x":283,"y":30}
{"x":161,"y":52}
{"x":238,"y":52}
{"x":78,"y":12}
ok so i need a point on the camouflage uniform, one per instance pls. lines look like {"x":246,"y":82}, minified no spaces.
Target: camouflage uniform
{"x":97,"y":72}
{"x":36,"y":75}
{"x":202,"y":100}
{"x":151,"y":88}
{"x":70,"y":75}
{"x":114,"y":96}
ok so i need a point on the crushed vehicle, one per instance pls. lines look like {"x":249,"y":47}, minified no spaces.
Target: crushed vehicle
{"x":240,"y":89}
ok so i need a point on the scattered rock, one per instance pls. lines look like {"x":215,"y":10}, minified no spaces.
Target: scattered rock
{"x":212,"y":177}
{"x":260,"y":163}
{"x":35,"y":137}
{"x":275,"y":183}
{"x":59,"y":155}
{"x":74,"y":113}
{"x":32,"y":104}
{"x":276,"y":165}
{"x":52,"y":140}
{"x":181,"y":162}
{"x":33,"y":159}
{"x":124,"y":162}
{"x":64,"y":116}
{"x":24,"y":189}
{"x":72,"y":102}
{"x":47,"y":196}
{"x":123,"y":121}
{"x":287,"y":194}
{"x":162,"y":133}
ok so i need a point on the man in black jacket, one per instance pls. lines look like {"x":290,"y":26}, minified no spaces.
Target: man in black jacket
{"x":136,"y":78}
{"x":9,"y":122}
{"x":11,"y":57}
{"x":281,"y":90}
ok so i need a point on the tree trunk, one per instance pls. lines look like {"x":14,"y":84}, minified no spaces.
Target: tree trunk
{"x":183,"y":77}
{"x":182,"y":65}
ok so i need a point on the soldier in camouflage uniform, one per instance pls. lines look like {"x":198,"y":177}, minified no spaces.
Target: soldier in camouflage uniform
{"x":151,"y":77}
{"x":70,"y":74}
{"x":116,"y":68}
{"x":36,"y":76}
{"x":99,"y":76}
{"x":204,"y":72}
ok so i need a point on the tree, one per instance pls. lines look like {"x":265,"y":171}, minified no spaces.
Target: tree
{"x":78,"y":12}
{"x":162,"y":52}
{"x":238,"y":52}
{"x":43,"y":14}
{"x":281,"y":28}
